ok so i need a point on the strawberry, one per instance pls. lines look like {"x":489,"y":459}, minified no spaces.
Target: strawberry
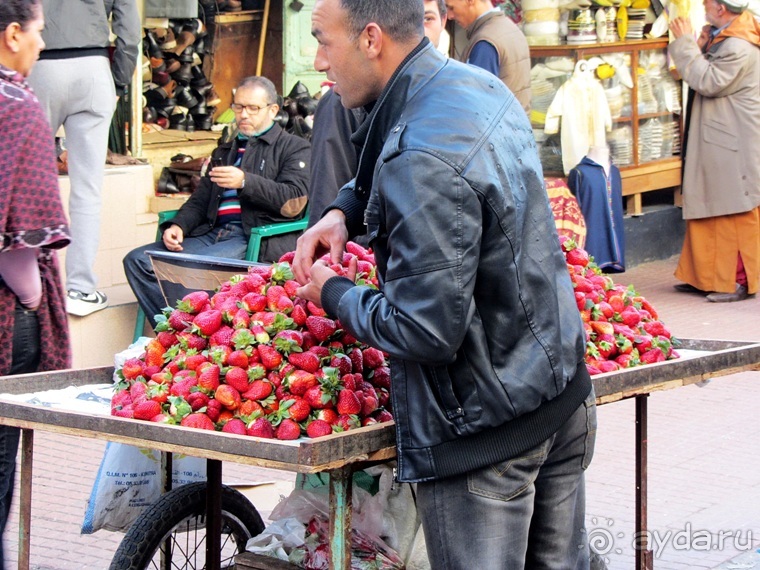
{"x":182,"y":388}
{"x":180,"y":320}
{"x":357,"y":360}
{"x":228,"y":396}
{"x":318,"y":398}
{"x":287,"y":257}
{"x":656,"y":328}
{"x":260,"y":334}
{"x":259,"y":390}
{"x":197,"y":420}
{"x":166,"y":338}
{"x":602,"y":327}
{"x":652,"y":355}
{"x":327,"y":414}
{"x":154,"y":353}
{"x":321,"y":327}
{"x":284,"y":304}
{"x":288,"y":341}
{"x":369,"y":405}
{"x":208,"y":376}
{"x":321,"y":351}
{"x":627,"y":360}
{"x":261,"y":427}
{"x":368,"y":421}
{"x":312,"y":309}
{"x":235,"y":425}
{"x":238,"y":358}
{"x":291,"y":287}
{"x":274,"y":292}
{"x":158,"y":392}
{"x":342,"y":363}
{"x":190,"y":341}
{"x":126,"y":411}
{"x":318,"y":428}
{"x":207,"y":322}
{"x":348,"y":381}
{"x":383,"y":416}
{"x":629,"y":316}
{"x":299,"y":381}
{"x":307,"y":361}
{"x":132,"y":368}
{"x":270,"y":358}
{"x":194,"y":302}
{"x":138,"y":392}
{"x":242,"y":339}
{"x":381,"y":377}
{"x":347,"y":422}
{"x":253,"y":302}
{"x":237,"y":378}
{"x":222,"y":336}
{"x":146,"y":409}
{"x":299,"y":410}
{"x":248,"y":407}
{"x":287,"y":430}
{"x":197,"y":400}
{"x":299,"y":315}
{"x":373,"y":357}
{"x":214,"y":409}
{"x":348,"y":403}
{"x":193,"y":361}
{"x":241,"y":319}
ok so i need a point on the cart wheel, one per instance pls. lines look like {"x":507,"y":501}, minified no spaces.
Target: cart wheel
{"x":178,"y":520}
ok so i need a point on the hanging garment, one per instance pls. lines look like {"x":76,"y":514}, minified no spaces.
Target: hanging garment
{"x":601,"y":200}
{"x":585,"y":113}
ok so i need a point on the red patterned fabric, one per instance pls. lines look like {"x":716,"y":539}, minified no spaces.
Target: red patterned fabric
{"x":567,"y":213}
{"x":31,"y":216}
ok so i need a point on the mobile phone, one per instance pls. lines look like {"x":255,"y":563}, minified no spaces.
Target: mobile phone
{"x":216,"y":162}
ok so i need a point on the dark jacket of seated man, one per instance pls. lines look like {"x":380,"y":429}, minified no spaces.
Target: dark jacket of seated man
{"x":276,"y":166}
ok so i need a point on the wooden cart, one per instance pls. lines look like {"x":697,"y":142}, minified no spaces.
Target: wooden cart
{"x":338,"y":454}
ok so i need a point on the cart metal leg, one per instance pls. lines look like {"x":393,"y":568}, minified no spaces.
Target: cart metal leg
{"x":644,"y":556}
{"x":25,"y":509}
{"x":340,"y":518}
{"x":213,"y":514}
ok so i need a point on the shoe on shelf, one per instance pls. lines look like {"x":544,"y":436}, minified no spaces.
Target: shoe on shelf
{"x":81,"y":304}
{"x":739,"y":294}
{"x":688,"y":288}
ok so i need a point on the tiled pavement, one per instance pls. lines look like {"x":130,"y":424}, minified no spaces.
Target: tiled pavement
{"x":704,"y":463}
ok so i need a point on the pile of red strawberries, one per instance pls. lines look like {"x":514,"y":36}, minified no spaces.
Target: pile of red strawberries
{"x":622,"y":328}
{"x":255,"y":359}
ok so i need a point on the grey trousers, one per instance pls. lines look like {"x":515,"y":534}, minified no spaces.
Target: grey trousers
{"x":79,"y":94}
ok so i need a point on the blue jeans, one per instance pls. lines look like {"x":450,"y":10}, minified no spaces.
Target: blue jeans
{"x":224,"y":241}
{"x":527,"y":512}
{"x":25,"y":358}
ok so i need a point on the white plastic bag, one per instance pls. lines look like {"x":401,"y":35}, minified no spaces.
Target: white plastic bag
{"x":128,"y":480}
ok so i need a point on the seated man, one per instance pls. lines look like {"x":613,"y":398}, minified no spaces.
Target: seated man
{"x":263,"y":178}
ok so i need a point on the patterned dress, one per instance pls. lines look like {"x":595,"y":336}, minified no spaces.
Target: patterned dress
{"x":31,"y":216}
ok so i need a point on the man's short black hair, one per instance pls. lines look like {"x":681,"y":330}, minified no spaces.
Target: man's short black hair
{"x":19,"y":11}
{"x":441,"y":7}
{"x":400,"y":19}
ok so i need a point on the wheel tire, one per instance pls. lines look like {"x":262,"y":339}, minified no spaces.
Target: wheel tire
{"x":179,"y":515}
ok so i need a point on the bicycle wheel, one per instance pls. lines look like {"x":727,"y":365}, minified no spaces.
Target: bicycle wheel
{"x":174,"y":527}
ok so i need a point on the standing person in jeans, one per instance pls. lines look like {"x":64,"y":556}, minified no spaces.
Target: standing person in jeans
{"x":262,"y":178}
{"x":494,"y":407}
{"x":78,"y":87}
{"x":34,"y":331}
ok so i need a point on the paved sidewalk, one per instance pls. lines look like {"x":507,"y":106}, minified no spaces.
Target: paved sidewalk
{"x":704,"y":463}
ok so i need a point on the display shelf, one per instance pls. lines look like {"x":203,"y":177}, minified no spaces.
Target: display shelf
{"x":646,"y":115}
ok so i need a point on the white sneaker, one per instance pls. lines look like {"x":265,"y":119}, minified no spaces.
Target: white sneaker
{"x":81,"y":305}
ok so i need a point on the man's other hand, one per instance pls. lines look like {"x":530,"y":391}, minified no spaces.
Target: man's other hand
{"x":173,"y":237}
{"x":681,"y":27}
{"x":227,"y":176}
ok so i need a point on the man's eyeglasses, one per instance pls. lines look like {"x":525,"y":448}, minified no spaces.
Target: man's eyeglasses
{"x":250,"y":109}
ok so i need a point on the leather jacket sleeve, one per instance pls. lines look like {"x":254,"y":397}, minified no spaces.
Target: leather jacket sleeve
{"x":433,"y":219}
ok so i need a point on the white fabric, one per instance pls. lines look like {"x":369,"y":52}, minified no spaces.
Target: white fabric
{"x":582,"y":105}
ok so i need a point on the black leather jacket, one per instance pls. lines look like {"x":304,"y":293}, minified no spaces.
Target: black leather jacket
{"x":276,"y":166}
{"x":475,"y":307}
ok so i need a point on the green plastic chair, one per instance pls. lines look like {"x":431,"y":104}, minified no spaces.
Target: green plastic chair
{"x":252,"y":252}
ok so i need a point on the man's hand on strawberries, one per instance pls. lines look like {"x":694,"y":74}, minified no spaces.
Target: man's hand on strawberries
{"x":327,"y":235}
{"x":320,"y":272}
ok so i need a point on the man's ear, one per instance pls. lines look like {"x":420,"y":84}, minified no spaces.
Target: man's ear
{"x":372,"y":40}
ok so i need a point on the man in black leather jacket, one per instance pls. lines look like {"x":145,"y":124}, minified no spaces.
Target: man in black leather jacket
{"x":263,"y":178}
{"x":494,"y":408}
